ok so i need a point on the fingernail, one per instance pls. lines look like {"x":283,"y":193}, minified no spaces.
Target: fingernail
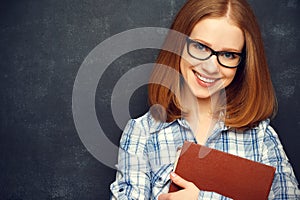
{"x":173,"y":174}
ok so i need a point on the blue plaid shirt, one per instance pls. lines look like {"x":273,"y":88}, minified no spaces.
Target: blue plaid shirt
{"x":148,"y":150}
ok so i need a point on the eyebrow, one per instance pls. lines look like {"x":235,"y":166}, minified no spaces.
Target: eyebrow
{"x":223,"y":49}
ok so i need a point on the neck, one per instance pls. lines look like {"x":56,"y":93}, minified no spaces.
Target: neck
{"x":202,"y":113}
{"x":201,"y":107}
{"x":208,"y":106}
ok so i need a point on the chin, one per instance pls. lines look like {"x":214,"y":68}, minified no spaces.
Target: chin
{"x":202,"y":95}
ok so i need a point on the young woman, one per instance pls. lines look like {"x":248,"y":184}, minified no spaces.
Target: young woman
{"x":221,"y":97}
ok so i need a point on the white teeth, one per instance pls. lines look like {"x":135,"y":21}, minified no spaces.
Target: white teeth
{"x":207,"y":80}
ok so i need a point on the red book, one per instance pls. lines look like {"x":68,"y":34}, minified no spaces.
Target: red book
{"x":229,"y":175}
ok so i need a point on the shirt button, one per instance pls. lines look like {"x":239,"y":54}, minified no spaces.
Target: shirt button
{"x":121,"y":189}
{"x":159,"y":179}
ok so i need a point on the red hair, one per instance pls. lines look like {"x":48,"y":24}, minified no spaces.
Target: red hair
{"x":250,"y":97}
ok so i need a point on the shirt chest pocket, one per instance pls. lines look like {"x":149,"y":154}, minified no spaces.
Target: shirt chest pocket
{"x":160,"y":176}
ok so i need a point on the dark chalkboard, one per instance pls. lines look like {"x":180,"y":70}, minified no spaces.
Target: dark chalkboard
{"x":42,"y":46}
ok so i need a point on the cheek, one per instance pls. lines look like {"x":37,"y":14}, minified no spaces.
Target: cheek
{"x":232,"y":74}
{"x":184,"y":64}
{"x":183,"y":68}
{"x":229,"y":74}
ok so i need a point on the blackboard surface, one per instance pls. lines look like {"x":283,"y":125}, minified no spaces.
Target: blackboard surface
{"x":42,"y":46}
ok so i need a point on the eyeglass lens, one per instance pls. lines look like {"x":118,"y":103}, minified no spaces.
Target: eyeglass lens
{"x":202,"y":52}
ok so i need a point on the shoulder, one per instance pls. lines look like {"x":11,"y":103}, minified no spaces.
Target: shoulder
{"x":259,"y":133}
{"x":135,"y":135}
{"x":147,"y":124}
{"x":144,"y":122}
{"x":266,"y":128}
{"x":139,"y":131}
{"x":264,"y":131}
{"x":134,"y":126}
{"x":142,"y":126}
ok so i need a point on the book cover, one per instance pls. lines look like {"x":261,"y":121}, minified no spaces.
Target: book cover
{"x":229,"y":175}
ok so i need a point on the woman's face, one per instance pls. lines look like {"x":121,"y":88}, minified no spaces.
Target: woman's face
{"x":207,"y":77}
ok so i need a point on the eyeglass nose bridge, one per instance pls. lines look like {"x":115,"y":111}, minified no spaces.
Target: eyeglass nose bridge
{"x":213,"y":53}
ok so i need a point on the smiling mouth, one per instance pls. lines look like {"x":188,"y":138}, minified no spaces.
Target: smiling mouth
{"x":205,"y":79}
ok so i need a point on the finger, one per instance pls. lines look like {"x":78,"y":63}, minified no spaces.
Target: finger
{"x":179,"y":181}
{"x":163,"y":197}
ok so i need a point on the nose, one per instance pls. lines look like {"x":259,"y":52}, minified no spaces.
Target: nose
{"x":211,"y":65}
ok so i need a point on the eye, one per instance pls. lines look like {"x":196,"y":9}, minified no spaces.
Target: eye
{"x":229,"y":55}
{"x":199,"y":46}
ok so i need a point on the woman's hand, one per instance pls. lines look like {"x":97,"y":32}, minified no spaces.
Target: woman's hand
{"x":189,"y":191}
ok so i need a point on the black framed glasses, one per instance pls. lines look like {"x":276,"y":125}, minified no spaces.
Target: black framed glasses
{"x":202,"y":52}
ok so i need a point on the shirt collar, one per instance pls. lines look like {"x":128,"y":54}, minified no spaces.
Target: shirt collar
{"x":156,"y":126}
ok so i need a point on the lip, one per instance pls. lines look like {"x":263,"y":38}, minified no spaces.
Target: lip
{"x":205,"y":81}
